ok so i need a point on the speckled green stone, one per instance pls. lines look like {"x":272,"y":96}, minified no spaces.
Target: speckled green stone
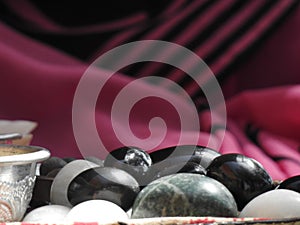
{"x":184,"y":194}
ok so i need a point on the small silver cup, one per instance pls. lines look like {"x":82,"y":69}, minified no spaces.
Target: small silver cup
{"x":17,"y":178}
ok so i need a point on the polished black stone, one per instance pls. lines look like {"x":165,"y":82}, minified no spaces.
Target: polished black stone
{"x":198,"y":154}
{"x":184,"y":194}
{"x":52,"y":163}
{"x":138,"y":157}
{"x":178,"y":159}
{"x":291,"y":183}
{"x":204,"y":156}
{"x":131,"y":159}
{"x":243,"y":176}
{"x":130,"y":155}
{"x":104,"y":183}
{"x":53,"y":173}
{"x":188,"y":167}
{"x":178,"y":164}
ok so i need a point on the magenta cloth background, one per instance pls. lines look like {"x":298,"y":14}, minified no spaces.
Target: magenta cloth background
{"x":262,"y":92}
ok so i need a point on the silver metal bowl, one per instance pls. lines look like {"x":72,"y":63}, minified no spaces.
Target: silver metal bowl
{"x":17,"y":178}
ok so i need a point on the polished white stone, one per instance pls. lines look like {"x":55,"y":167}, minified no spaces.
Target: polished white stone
{"x":96,"y":211}
{"x":47,"y":214}
{"x":280,"y":203}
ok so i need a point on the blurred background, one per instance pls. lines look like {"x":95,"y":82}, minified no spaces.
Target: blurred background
{"x":253,"y":45}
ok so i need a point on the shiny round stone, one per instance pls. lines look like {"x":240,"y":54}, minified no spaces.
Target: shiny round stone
{"x":131,"y":155}
{"x":184,"y":194}
{"x":53,"y":173}
{"x":105,"y":183}
{"x":178,"y":159}
{"x":174,"y":165}
{"x":52,"y":163}
{"x":291,"y":183}
{"x":138,"y":157}
{"x":189,"y":167}
{"x":278,"y":203}
{"x":101,"y":211}
{"x":131,"y":159}
{"x":243,"y":176}
{"x":195,"y":153}
{"x":204,"y":156}
{"x":47,"y":214}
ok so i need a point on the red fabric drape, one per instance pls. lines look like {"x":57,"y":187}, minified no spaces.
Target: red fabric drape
{"x":252,"y":47}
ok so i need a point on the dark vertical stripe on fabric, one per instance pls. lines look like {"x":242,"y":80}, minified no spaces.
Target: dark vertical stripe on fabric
{"x":157,"y":30}
{"x":248,"y":39}
{"x":192,"y":31}
{"x":227,"y":42}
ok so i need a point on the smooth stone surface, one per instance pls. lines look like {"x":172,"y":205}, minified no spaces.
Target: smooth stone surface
{"x":189,"y":167}
{"x":291,"y":183}
{"x":173,"y":166}
{"x":96,"y":211}
{"x":243,"y":176}
{"x":131,"y":159}
{"x":184,"y":194}
{"x":195,"y":153}
{"x":180,"y":159}
{"x":204,"y":156}
{"x":61,"y":182}
{"x":106,"y":183}
{"x":130,"y":155}
{"x":274,"y":204}
{"x":51,"y":164}
{"x":47,"y":214}
{"x":53,"y":173}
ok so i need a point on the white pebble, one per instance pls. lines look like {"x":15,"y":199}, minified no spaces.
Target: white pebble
{"x":47,"y":214}
{"x":96,"y":211}
{"x":280,"y":203}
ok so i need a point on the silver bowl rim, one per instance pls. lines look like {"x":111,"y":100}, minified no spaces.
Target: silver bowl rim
{"x":35,"y":154}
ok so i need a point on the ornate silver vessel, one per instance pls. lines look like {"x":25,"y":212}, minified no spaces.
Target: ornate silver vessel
{"x":17,"y":178}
